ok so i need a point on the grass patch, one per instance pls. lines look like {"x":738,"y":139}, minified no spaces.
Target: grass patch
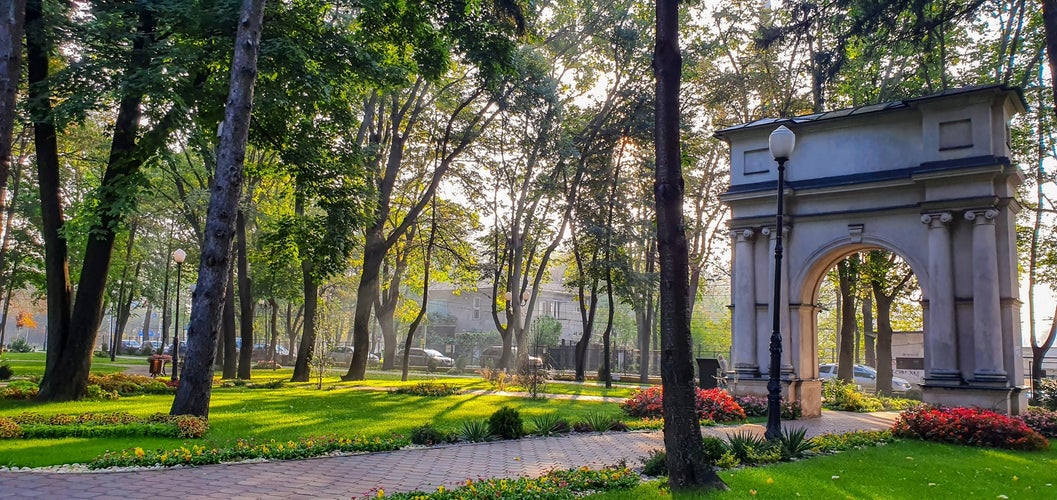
{"x":289,"y":413}
{"x":31,"y":364}
{"x":904,"y":469}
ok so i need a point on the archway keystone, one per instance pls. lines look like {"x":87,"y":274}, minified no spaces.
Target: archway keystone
{"x":929,"y":179}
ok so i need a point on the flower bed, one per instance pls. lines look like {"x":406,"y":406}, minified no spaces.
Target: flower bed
{"x":756,"y":406}
{"x":1041,"y":420}
{"x":244,"y":450}
{"x":557,"y":485}
{"x":712,"y":404}
{"x":32,"y":426}
{"x":970,"y":426}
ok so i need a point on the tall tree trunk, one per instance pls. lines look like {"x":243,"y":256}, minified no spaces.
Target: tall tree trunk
{"x":12,"y":19}
{"x":687,"y":466}
{"x":194,"y":392}
{"x":245,"y":299}
{"x":644,"y":320}
{"x":869,"y":335}
{"x":124,"y":294}
{"x":373,"y":256}
{"x":302,"y":367}
{"x":884,"y":341}
{"x":273,"y":308}
{"x":146,"y":323}
{"x":847,"y":274}
{"x":425,"y":288}
{"x":7,"y":306}
{"x":55,"y":385}
{"x":165,"y":320}
{"x":230,"y":364}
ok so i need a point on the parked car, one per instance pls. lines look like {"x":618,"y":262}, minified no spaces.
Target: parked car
{"x":129,"y":346}
{"x":865,"y":377}
{"x":168,"y":347}
{"x":342,"y":354}
{"x":422,"y":357}
{"x":490,"y":357}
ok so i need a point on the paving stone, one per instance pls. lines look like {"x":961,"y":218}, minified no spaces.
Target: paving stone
{"x":359,"y":476}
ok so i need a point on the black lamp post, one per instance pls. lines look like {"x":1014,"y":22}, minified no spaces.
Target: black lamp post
{"x":781,"y":144}
{"x":178,"y":256}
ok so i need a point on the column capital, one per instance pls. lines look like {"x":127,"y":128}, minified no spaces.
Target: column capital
{"x":742,"y":234}
{"x":771,"y":233}
{"x":937,"y":219}
{"x":982,"y":216}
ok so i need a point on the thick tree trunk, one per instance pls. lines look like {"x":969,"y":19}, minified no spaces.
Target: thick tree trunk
{"x":12,"y":19}
{"x":846,"y":351}
{"x":7,"y":306}
{"x":388,"y":325}
{"x":303,"y":365}
{"x":146,"y":323}
{"x":230,"y":364}
{"x":884,"y":341}
{"x":165,"y":319}
{"x":194,"y":392}
{"x":57,"y":384}
{"x":373,"y":255}
{"x":687,"y":466}
{"x":66,"y":377}
{"x":245,"y":300}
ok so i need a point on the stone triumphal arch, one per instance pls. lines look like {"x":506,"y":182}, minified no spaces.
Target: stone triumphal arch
{"x":929,"y":179}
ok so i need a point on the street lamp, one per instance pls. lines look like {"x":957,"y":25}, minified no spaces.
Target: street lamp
{"x":178,"y":256}
{"x":781,"y":144}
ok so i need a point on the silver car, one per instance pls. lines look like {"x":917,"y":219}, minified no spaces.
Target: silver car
{"x":865,"y":377}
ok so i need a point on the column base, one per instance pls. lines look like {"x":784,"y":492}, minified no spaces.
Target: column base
{"x":1008,"y":400}
{"x":806,"y":392}
{"x":990,"y":378}
{"x":944,"y":377}
{"x":747,"y":371}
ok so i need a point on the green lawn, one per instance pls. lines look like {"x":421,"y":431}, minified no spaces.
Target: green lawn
{"x":295,"y":410}
{"x":902,"y":470}
{"x":27,"y":364}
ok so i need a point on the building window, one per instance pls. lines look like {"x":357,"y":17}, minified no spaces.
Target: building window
{"x":556,"y":311}
{"x":476,"y":308}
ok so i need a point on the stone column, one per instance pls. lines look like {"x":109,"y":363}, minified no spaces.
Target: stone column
{"x":987,"y":319}
{"x":783,"y":305}
{"x":744,"y":295}
{"x":941,"y":341}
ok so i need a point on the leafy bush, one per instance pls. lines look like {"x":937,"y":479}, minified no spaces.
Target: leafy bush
{"x":648,"y":424}
{"x":146,"y":349}
{"x":20,"y":345}
{"x":506,"y":423}
{"x":1046,"y":394}
{"x":971,"y":426}
{"x":559,"y":484}
{"x":840,"y":395}
{"x":794,"y":442}
{"x":429,"y":435}
{"x":1041,"y":420}
{"x":728,"y":461}
{"x":714,"y":448}
{"x":19,"y":390}
{"x":750,"y":448}
{"x":550,"y":424}
{"x":898,"y":404}
{"x":496,"y":378}
{"x":124,"y":384}
{"x":476,"y":431}
{"x":96,"y":392}
{"x":654,"y":464}
{"x":433,"y":389}
{"x":9,"y":429}
{"x":827,"y":443}
{"x":712,"y":404}
{"x":245,"y":450}
{"x":600,"y":421}
{"x":6,"y":372}
{"x":756,"y":406}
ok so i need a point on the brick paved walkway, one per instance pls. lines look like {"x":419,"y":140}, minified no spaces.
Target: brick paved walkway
{"x":404,"y":470}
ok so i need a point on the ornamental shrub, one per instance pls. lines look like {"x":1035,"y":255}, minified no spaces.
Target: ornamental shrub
{"x":655,"y":464}
{"x":429,"y":435}
{"x":6,"y":372}
{"x":9,"y":428}
{"x":506,"y":423}
{"x":970,"y":426}
{"x":840,"y":395}
{"x":19,"y":390}
{"x":756,"y":406}
{"x":712,"y":404}
{"x":1041,"y":420}
{"x":1046,"y":393}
